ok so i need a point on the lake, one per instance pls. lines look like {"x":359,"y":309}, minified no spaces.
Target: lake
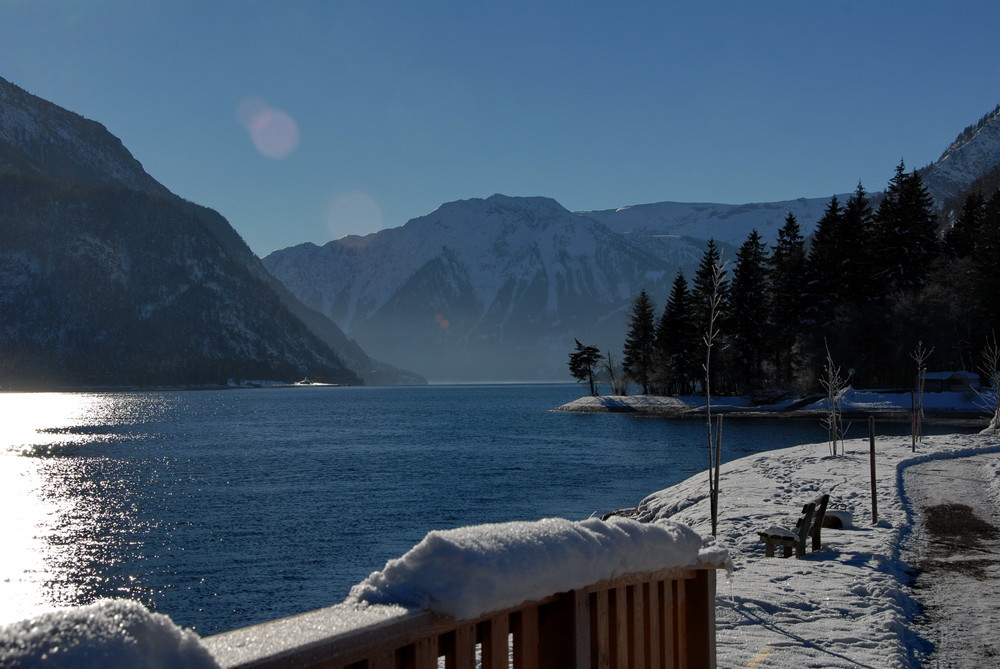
{"x":230,"y":507}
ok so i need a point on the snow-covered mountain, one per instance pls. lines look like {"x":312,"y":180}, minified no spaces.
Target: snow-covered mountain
{"x":974,"y":152}
{"x":483,"y":289}
{"x":498,"y":289}
{"x":38,"y":137}
{"x":729,"y":223}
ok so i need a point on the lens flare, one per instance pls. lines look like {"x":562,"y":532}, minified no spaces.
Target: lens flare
{"x":353,"y":212}
{"x":273,"y":132}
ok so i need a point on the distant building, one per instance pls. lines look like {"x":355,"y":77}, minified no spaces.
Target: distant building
{"x":953,"y":382}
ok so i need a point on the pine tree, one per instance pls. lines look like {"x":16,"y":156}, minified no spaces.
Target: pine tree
{"x":962,"y":237}
{"x":986,"y":261}
{"x":702,"y":288}
{"x":640,"y":342}
{"x":677,"y":341}
{"x":787,"y":297}
{"x":583,"y":363}
{"x":749,"y":318}
{"x":824,"y":273}
{"x":906,"y":232}
{"x":858,"y":257}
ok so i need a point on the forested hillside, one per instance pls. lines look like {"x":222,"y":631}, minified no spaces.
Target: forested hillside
{"x":872,"y":286}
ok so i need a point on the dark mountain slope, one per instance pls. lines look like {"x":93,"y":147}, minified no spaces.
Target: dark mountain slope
{"x":102,"y":285}
{"x":106,"y":278}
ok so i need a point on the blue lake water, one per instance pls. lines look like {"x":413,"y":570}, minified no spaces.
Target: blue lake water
{"x":227,"y":508}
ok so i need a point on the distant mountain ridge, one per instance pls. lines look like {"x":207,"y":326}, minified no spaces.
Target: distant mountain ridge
{"x":108,"y":279}
{"x":729,"y":223}
{"x":480,"y":289}
{"x":498,"y":289}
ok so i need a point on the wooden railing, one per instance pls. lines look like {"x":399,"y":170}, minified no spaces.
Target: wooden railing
{"x":660,"y":619}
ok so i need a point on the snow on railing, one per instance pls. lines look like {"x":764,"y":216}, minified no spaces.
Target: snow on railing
{"x":551,"y":593}
{"x":658,"y":619}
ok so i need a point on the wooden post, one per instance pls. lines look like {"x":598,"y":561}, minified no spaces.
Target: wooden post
{"x":871,"y":460}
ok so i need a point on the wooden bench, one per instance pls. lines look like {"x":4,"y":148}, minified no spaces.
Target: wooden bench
{"x":809,"y":525}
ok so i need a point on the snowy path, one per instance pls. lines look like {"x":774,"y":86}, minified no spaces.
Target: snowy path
{"x":956,"y":547}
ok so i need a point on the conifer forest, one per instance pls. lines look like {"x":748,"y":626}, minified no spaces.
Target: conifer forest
{"x":880,"y":278}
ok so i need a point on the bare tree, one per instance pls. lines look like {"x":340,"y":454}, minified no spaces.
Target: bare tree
{"x":990,"y":367}
{"x":834,"y":383}
{"x":618,"y":381}
{"x":714,"y":440}
{"x":920,"y":356}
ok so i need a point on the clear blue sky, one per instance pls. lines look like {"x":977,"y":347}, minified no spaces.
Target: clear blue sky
{"x":370,"y":112}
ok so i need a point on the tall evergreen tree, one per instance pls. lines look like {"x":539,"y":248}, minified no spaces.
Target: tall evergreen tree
{"x":749,"y":315}
{"x":962,"y":237}
{"x":583,"y":364}
{"x":702,"y":288}
{"x":677,"y":341}
{"x":986,"y":261}
{"x":640,"y":342}
{"x":906,"y":232}
{"x":858,"y":257}
{"x":824,"y":273}
{"x":787,"y":297}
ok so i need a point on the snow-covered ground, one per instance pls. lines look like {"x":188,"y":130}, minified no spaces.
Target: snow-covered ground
{"x":848,"y":605}
{"x":850,"y":400}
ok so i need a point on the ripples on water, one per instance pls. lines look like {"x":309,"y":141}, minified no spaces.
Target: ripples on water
{"x":227,"y":508}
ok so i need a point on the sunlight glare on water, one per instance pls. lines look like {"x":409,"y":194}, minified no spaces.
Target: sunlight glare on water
{"x":28,"y":515}
{"x":39,"y":482}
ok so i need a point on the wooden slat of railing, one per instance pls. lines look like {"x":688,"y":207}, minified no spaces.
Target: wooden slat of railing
{"x":493,"y":638}
{"x":601,"y":629}
{"x":524,"y":627}
{"x":636,"y":608}
{"x":700,"y":616}
{"x":619,"y":633}
{"x":564,"y":631}
{"x":581,"y":632}
{"x":651,"y":625}
{"x":458,"y":647}
{"x":382,"y":659}
{"x":425,"y":653}
{"x":681,"y":623}
{"x":668,"y":603}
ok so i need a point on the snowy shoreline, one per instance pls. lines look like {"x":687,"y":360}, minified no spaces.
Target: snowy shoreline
{"x":886,"y":405}
{"x":849,"y":604}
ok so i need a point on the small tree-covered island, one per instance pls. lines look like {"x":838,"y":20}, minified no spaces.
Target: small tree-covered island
{"x":888,"y":293}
